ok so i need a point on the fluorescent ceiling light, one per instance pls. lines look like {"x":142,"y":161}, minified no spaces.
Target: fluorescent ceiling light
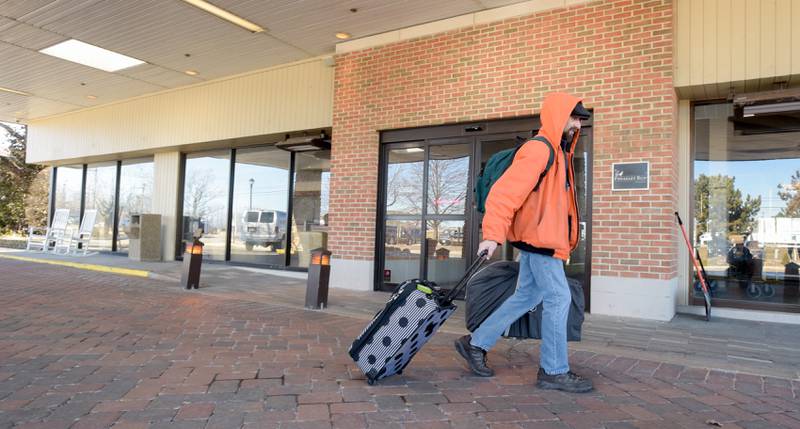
{"x":14,"y":91}
{"x":343,"y":36}
{"x":90,"y":55}
{"x":415,"y":150}
{"x":224,"y":14}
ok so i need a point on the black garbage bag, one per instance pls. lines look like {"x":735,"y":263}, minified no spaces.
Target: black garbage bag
{"x":494,"y":283}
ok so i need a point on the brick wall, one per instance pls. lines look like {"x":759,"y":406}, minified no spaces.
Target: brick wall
{"x":615,"y":54}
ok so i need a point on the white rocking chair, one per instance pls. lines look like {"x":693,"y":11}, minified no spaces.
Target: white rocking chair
{"x":52,"y":235}
{"x":79,"y":241}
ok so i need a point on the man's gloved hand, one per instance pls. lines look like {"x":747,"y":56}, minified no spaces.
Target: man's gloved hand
{"x":488,"y":246}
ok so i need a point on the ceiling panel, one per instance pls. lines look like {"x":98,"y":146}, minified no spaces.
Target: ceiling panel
{"x":163,"y":32}
{"x":27,"y":36}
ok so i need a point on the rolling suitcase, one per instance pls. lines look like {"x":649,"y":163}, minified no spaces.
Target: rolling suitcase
{"x":415,"y":311}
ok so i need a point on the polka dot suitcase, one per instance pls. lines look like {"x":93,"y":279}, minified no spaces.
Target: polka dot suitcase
{"x":412,"y":316}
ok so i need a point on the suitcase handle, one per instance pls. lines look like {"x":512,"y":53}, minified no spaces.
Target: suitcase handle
{"x":463,"y":282}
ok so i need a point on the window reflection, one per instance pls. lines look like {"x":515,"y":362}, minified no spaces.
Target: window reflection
{"x":69,"y":180}
{"x":445,"y":241}
{"x":310,"y":204}
{"x":135,"y":195}
{"x":101,"y":182}
{"x":404,"y":181}
{"x":260,"y":197}
{"x":747,"y":203}
{"x":205,"y":201}
{"x":448,"y":174}
{"x":402,"y":248}
{"x":403,"y":233}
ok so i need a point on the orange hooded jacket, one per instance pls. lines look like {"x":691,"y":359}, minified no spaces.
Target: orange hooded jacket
{"x":545,"y":221}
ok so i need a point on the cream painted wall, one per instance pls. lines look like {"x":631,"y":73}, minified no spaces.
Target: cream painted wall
{"x":166,"y":168}
{"x":746,"y":44}
{"x":287,"y":98}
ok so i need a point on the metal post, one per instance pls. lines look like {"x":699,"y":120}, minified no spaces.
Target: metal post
{"x":251,"y":192}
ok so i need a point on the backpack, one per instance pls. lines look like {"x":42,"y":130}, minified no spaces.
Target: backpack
{"x":498,"y":164}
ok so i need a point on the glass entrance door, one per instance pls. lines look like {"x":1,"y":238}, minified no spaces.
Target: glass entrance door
{"x":425,"y":209}
{"x":430,"y":228}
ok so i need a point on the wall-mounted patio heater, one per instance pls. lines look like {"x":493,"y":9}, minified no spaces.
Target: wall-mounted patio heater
{"x":305,"y":143}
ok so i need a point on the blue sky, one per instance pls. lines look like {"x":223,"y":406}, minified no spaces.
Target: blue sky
{"x":755,"y":178}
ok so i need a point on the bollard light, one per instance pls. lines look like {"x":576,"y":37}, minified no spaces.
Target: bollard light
{"x":319,"y":272}
{"x":192,"y":262}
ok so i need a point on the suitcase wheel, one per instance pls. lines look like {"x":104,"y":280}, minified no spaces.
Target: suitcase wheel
{"x":370,"y":381}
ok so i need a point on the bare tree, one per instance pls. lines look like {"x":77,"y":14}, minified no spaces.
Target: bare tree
{"x":198,"y":193}
{"x":447,"y":189}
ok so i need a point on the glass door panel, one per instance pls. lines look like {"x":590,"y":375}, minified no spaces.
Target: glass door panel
{"x":402,"y":245}
{"x":487,"y":148}
{"x":312,"y":177}
{"x":578,"y":265}
{"x":446,"y":260}
{"x":260,"y":199}
{"x":205,"y":201}
{"x":68,"y":188}
{"x":101,"y":182}
{"x":447,"y":184}
{"x":403,"y":196}
{"x":135,"y":195}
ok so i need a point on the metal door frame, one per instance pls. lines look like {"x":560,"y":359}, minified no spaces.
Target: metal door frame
{"x":474,"y":133}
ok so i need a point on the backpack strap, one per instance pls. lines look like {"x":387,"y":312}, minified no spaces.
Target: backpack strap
{"x":550,"y":159}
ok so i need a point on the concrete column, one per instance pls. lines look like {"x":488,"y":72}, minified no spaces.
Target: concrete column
{"x":685,"y":181}
{"x":167,"y":167}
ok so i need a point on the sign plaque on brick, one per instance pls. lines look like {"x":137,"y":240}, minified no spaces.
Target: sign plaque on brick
{"x":630,"y":175}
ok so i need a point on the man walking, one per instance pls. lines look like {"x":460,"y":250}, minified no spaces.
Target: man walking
{"x":543,"y":225}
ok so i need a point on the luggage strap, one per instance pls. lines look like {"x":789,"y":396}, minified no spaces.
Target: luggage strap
{"x":463,"y":282}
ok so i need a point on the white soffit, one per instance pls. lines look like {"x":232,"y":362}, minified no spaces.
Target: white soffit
{"x":162,"y":32}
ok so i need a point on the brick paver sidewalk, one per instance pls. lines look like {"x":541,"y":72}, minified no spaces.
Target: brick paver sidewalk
{"x":81,"y":350}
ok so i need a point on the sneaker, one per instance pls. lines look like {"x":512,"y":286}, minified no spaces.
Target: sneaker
{"x":475,"y":356}
{"x":568,"y":382}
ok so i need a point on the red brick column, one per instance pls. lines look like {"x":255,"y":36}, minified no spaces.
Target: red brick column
{"x":615,"y":54}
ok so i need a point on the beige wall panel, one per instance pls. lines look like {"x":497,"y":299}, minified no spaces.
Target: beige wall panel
{"x":709,"y":33}
{"x":737,"y":37}
{"x":166,"y":169}
{"x":723,"y":52}
{"x":752,"y":41}
{"x":287,"y":98}
{"x":795,"y":40}
{"x":696,"y":25}
{"x":683,"y":40}
{"x":783,"y":34}
{"x":767,"y":49}
{"x":746,"y":44}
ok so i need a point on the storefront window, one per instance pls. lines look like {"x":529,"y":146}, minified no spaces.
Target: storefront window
{"x":135,"y":195}
{"x":310,"y":204}
{"x":101,"y":183}
{"x":205,"y":201}
{"x":260,"y":199}
{"x":68,"y":191}
{"x":747,"y":204}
